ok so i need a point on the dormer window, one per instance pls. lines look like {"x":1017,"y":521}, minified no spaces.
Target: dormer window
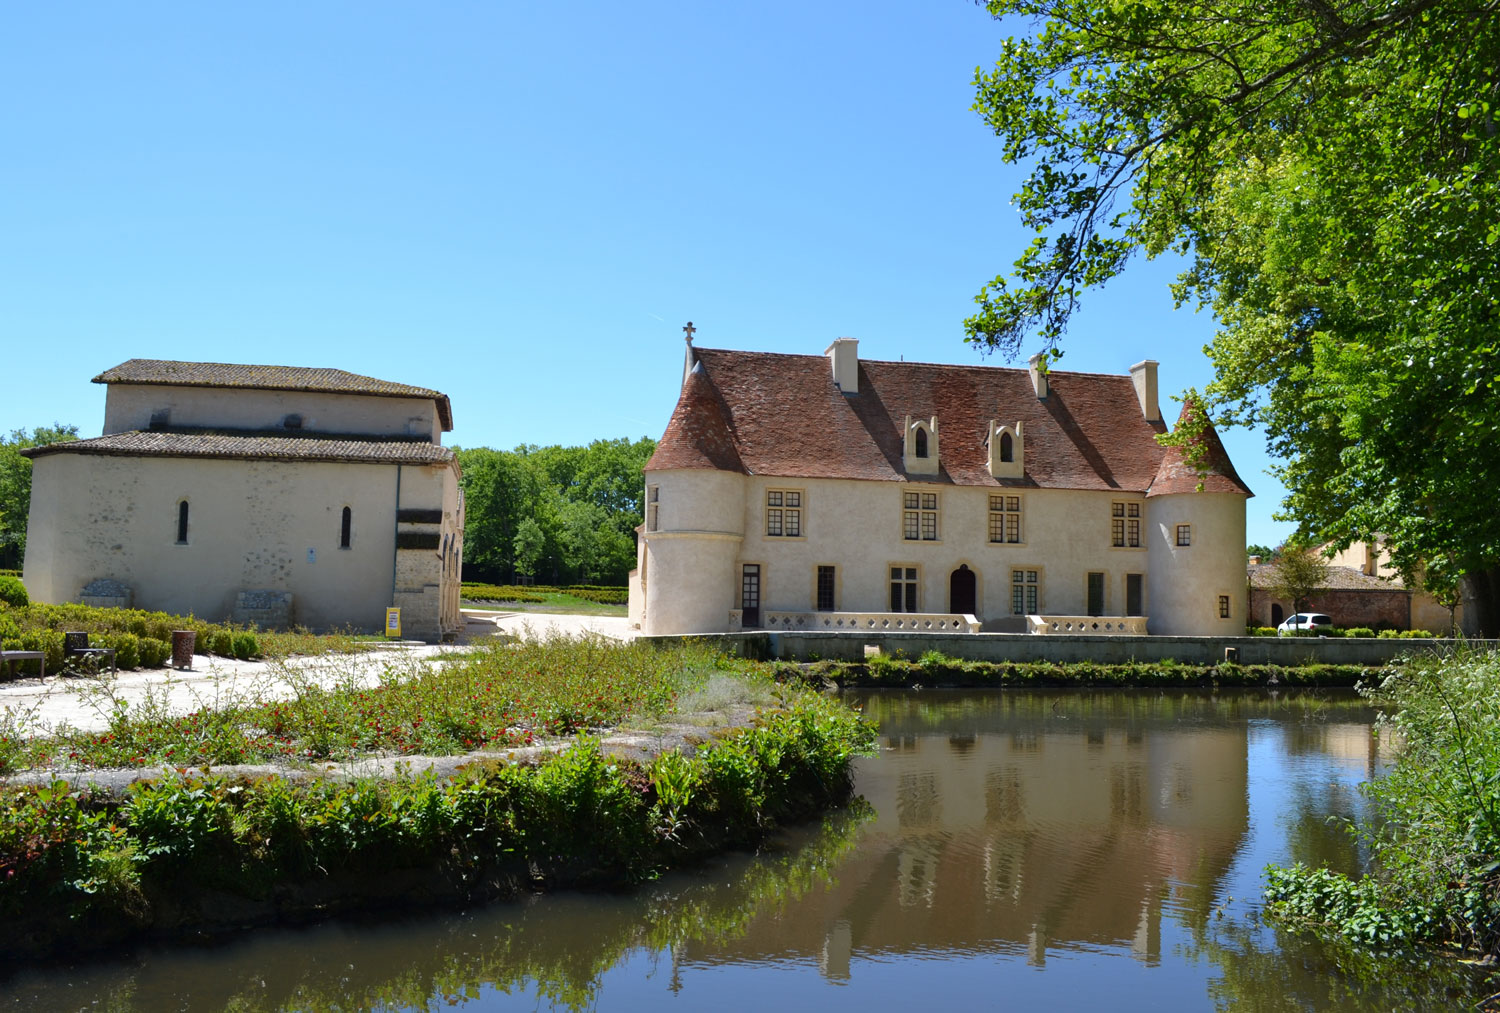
{"x":920,"y":449}
{"x":1007,"y":450}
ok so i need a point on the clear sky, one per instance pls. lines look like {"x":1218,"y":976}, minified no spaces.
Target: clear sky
{"x":517,"y":204}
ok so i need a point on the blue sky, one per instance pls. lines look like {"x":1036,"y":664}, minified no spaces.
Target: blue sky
{"x":519,"y":205}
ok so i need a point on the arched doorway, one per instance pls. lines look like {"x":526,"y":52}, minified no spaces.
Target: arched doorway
{"x":961,"y":598}
{"x":1277,"y":615}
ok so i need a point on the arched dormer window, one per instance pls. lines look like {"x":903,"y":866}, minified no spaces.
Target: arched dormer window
{"x":921,"y":447}
{"x":346,"y":528}
{"x":1007,"y":450}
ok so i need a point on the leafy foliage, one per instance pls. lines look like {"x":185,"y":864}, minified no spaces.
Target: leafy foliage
{"x":1334,"y":172}
{"x":566,"y":513}
{"x":15,"y":485}
{"x":1436,"y":828}
{"x":1298,"y":573}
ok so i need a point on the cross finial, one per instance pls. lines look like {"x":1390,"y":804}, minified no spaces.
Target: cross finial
{"x":688,"y":330}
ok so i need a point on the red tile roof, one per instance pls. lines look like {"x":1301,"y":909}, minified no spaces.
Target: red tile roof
{"x":763,"y":413}
{"x":1177,"y":475}
{"x":170,"y":372}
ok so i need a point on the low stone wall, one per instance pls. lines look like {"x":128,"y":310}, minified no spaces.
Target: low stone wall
{"x":1062,"y":648}
{"x":267,"y":610}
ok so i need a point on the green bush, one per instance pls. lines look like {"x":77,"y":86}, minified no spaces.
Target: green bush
{"x":13,"y":592}
{"x":127,"y":648}
{"x":154,"y":652}
{"x":221,"y":642}
{"x":1434,"y":829}
{"x":246,"y":646}
{"x":1359,"y":631}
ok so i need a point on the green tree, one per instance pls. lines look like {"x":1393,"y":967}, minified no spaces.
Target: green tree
{"x":529,"y":546}
{"x":15,"y":486}
{"x":1298,"y":573}
{"x":1263,"y":551}
{"x":1332,"y":169}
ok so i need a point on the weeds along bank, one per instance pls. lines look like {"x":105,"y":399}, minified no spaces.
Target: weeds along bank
{"x":935,"y":669}
{"x":1435,"y":830}
{"x":83,"y":867}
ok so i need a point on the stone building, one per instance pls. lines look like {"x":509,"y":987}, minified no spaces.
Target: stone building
{"x":1362,"y":589}
{"x":275,"y":494}
{"x":826,"y":492}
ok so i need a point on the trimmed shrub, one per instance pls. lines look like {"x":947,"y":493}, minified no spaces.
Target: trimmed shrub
{"x":221,"y":643}
{"x":1359,"y":631}
{"x":13,"y":592}
{"x":127,"y":648}
{"x":246,"y":646}
{"x":154,"y":653}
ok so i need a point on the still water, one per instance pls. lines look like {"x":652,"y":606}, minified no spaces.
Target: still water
{"x":1022,"y":851}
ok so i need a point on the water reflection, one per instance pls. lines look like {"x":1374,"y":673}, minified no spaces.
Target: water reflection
{"x":1058,"y":849}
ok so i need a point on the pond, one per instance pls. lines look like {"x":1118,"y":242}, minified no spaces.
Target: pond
{"x":1047,"y":850}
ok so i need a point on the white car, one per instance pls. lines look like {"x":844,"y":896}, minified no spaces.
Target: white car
{"x":1304,"y":621}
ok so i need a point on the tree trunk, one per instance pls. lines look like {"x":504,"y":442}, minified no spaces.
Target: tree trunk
{"x":1481,"y":601}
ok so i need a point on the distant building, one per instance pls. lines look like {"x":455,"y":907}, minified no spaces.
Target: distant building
{"x":275,"y":494}
{"x":826,"y":492}
{"x":1362,"y":589}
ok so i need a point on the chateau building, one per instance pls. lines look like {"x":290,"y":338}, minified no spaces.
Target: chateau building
{"x":826,"y":492}
{"x":272,"y":494}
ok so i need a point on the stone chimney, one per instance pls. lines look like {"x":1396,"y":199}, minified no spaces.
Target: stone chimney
{"x":1254,"y":560}
{"x":1143,"y":375}
{"x":844,"y":353}
{"x":1038,"y":377}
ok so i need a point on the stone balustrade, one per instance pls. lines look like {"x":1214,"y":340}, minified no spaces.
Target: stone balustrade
{"x":860,"y":622}
{"x":1103,"y":626}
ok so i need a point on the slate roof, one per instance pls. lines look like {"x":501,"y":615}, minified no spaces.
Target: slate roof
{"x":254,"y":446}
{"x":766,"y":413}
{"x":1340,"y":578}
{"x":228,"y":374}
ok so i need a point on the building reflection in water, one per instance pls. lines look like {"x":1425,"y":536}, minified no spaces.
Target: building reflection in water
{"x":1048,"y":821}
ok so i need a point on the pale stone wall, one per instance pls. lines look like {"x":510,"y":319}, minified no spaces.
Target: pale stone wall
{"x":1186,"y":581}
{"x":130,"y":406}
{"x":691,"y":565}
{"x":427,"y":583}
{"x":252,"y":526}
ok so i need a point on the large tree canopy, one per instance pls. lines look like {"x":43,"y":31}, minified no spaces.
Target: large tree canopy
{"x":1332,"y":170}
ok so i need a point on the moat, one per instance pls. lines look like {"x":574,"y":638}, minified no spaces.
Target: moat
{"x":1027,"y":850}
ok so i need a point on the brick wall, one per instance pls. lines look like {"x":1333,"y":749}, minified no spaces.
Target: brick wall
{"x":1346,"y":608}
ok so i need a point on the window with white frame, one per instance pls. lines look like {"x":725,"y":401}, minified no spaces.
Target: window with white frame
{"x":903,"y":589}
{"x":1005,"y":519}
{"x":919,"y":516}
{"x":1025,"y":592}
{"x":784,"y":513}
{"x":1125,"y":525}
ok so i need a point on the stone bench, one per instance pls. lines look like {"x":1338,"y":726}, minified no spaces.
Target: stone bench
{"x":8,"y":661}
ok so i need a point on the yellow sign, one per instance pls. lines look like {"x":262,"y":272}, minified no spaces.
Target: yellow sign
{"x":393,"y":623}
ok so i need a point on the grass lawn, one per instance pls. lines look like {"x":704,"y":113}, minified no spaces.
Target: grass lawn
{"x":559,"y":602}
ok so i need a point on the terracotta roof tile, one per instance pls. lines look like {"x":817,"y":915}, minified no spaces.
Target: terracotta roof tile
{"x":698,"y":435}
{"x":229,"y":374}
{"x":766,"y":413}
{"x":242,"y":445}
{"x":1176,"y":475}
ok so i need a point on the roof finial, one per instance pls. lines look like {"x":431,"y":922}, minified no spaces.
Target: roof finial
{"x":688,"y":330}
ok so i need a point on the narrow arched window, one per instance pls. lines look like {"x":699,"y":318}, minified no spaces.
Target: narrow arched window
{"x":182,"y":521}
{"x":1007,"y":448}
{"x":921,"y":442}
{"x":345,"y":525}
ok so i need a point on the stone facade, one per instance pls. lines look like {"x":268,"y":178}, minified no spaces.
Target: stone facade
{"x":278,"y":524}
{"x":802,"y":484}
{"x":1366,"y":594}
